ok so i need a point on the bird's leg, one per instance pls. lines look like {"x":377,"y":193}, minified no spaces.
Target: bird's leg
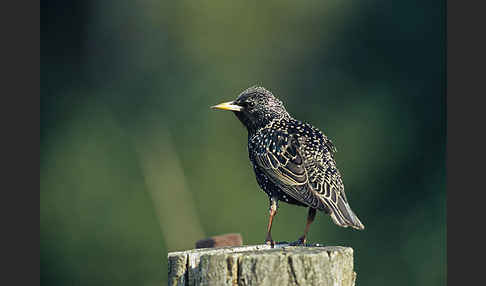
{"x":310,"y":218}
{"x":273,"y":211}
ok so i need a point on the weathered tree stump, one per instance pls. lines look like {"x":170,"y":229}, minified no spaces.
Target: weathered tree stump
{"x":262,"y":265}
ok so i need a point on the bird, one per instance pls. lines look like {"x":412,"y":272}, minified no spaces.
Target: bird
{"x":293,"y":161}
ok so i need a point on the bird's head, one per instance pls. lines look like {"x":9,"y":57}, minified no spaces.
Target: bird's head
{"x":255,"y":107}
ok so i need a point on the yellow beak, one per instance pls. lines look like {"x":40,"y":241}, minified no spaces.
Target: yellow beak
{"x":228,"y":106}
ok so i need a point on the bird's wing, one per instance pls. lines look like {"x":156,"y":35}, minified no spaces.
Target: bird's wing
{"x":306,"y":172}
{"x":326,"y":181}
{"x":278,"y":155}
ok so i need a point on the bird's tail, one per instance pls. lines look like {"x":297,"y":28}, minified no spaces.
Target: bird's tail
{"x":344,"y":216}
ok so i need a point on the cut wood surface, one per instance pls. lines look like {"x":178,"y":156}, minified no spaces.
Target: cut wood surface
{"x":262,"y":265}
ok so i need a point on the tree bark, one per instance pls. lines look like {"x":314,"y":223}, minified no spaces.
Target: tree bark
{"x":262,"y":265}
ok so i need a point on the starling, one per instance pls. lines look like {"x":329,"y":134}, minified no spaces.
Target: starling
{"x":293,"y":161}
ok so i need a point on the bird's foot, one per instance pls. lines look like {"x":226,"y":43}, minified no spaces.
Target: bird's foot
{"x":270,"y":242}
{"x":299,"y":242}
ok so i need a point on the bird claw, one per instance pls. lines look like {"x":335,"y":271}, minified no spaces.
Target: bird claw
{"x":270,"y":242}
{"x":299,"y":242}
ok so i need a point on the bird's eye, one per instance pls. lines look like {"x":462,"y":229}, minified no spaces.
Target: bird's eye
{"x":251,"y":104}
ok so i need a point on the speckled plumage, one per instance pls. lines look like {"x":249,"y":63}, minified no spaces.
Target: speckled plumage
{"x":293,"y":161}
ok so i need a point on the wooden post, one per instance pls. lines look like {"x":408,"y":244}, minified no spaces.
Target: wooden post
{"x":262,"y":265}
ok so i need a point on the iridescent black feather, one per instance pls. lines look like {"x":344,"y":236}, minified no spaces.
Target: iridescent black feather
{"x":293,"y":161}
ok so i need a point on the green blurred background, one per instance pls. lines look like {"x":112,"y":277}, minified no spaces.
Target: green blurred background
{"x":134,"y":164}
